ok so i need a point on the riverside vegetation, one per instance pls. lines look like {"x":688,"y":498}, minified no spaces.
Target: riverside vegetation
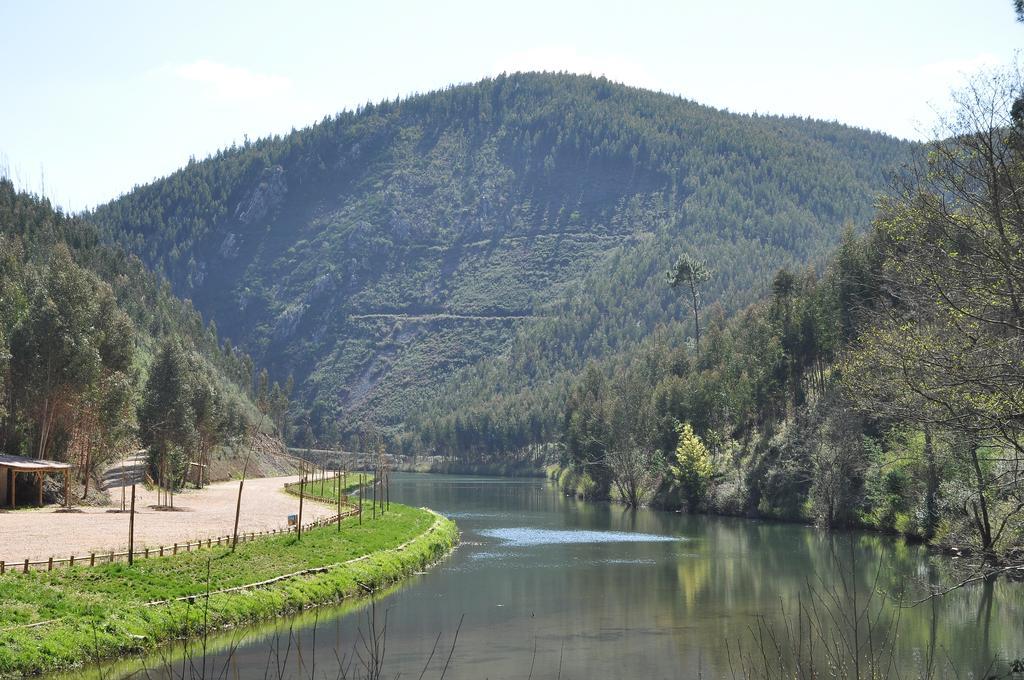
{"x":57,"y":619}
{"x":883,"y":393}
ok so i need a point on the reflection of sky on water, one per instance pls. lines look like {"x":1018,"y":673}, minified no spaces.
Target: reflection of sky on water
{"x":527,"y":536}
{"x":474,"y":515}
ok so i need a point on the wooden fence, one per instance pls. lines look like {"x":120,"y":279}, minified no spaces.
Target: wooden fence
{"x":93,"y":559}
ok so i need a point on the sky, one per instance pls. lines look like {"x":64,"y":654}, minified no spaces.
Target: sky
{"x":104,"y":96}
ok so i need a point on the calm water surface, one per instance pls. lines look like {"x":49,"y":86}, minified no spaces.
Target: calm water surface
{"x":603,"y":592}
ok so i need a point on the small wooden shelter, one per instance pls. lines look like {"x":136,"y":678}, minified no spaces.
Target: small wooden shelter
{"x":12,"y":466}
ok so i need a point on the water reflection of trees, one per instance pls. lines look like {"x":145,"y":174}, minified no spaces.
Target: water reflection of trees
{"x":710,"y":588}
{"x":756,"y":569}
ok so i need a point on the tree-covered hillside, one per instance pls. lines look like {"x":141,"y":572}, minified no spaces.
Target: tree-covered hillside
{"x":431,"y":261}
{"x":885,"y":392}
{"x":82,"y":325}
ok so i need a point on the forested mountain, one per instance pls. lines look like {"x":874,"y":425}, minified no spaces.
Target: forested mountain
{"x":442,"y":265}
{"x":89,"y":337}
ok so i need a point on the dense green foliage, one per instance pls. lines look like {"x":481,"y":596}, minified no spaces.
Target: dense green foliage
{"x":443,"y":264}
{"x":884,"y":393}
{"x":691,"y":470}
{"x":741,"y":394}
{"x":80,"y":323}
{"x":101,"y":611}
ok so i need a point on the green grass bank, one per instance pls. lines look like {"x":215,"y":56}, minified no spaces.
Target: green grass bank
{"x":60,"y":619}
{"x":327,"y":491}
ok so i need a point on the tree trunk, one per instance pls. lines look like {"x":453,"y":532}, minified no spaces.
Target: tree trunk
{"x":88,"y":455}
{"x":696,"y":317}
{"x":44,"y":426}
{"x":981,"y":507}
{"x":932,"y":489}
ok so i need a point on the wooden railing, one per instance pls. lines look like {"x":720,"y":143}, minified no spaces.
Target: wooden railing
{"x":93,"y":559}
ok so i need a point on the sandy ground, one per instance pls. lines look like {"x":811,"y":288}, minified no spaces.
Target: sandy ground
{"x":207,"y":513}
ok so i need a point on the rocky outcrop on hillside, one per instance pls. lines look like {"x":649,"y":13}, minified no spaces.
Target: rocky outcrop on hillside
{"x":265,"y":196}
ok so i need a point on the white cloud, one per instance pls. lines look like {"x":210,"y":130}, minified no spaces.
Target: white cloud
{"x":232,"y":82}
{"x":613,"y":67}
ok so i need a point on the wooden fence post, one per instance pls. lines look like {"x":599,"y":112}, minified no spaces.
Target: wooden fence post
{"x":49,"y":564}
{"x":26,"y":565}
{"x":302,"y":495}
{"x":3,"y":567}
{"x":131,"y":531}
{"x":71,"y":561}
{"x":92,"y":560}
{"x":238,"y":506}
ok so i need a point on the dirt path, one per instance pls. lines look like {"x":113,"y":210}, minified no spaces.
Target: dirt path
{"x":39,"y":534}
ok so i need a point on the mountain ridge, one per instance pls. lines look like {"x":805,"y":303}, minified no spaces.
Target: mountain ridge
{"x":490,"y":201}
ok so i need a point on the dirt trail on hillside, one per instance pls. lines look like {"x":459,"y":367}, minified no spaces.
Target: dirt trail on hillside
{"x":207,"y":513}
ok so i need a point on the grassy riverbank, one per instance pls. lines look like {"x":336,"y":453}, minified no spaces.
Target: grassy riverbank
{"x":58,"y":619}
{"x":325,"y":489}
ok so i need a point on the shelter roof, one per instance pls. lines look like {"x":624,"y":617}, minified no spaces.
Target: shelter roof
{"x":22,"y":464}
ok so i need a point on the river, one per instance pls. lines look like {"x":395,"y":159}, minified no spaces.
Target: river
{"x":596,"y":591}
